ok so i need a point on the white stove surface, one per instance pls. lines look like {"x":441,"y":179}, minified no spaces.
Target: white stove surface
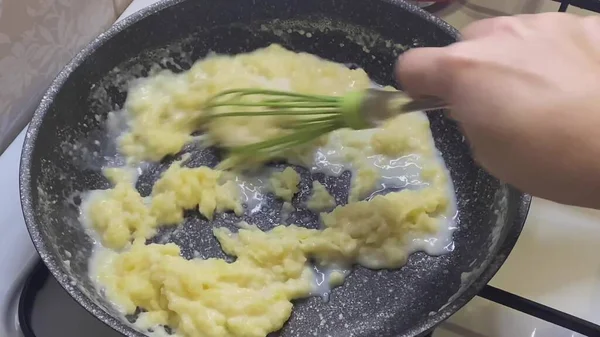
{"x":16,"y":250}
{"x":555,"y":261}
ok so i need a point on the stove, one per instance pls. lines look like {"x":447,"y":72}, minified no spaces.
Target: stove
{"x":592,"y":5}
{"x":549,"y":286}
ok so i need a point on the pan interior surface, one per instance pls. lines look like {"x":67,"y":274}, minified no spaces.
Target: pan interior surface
{"x":67,"y":145}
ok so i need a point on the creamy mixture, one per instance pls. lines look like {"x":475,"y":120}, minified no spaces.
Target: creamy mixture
{"x":252,"y":296}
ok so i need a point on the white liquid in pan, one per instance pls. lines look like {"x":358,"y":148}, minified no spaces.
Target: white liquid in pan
{"x":330,"y":159}
{"x":396,"y":174}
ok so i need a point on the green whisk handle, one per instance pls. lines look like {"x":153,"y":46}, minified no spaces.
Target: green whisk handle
{"x":352,"y":109}
{"x":366,"y":109}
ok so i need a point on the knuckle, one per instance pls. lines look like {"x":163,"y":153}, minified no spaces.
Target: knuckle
{"x":507,"y":25}
{"x":457,"y":56}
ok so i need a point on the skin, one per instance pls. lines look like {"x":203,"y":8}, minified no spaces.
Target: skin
{"x":526,"y":92}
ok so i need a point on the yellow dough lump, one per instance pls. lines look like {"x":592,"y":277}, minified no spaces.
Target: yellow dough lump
{"x":210,"y":297}
{"x":403,"y":135}
{"x":166,"y":108}
{"x":251,"y":297}
{"x":181,"y":188}
{"x":120,"y":214}
{"x":285,"y":184}
{"x":382,"y":225}
{"x":320,"y":200}
{"x":328,"y":246}
{"x":364,"y":181}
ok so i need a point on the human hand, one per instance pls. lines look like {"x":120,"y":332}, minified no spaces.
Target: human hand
{"x":526,"y":92}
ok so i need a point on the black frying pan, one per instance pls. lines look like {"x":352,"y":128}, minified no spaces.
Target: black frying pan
{"x":60,"y":157}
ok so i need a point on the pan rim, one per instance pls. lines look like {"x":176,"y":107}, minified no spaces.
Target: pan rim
{"x":41,"y":245}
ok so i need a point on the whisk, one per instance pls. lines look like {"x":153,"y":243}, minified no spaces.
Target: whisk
{"x":319,"y":114}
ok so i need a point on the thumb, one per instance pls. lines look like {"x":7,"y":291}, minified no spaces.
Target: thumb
{"x":421,"y":72}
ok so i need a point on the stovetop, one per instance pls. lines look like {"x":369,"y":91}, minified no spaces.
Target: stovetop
{"x":38,"y":314}
{"x":553,"y":273}
{"x":592,"y":5}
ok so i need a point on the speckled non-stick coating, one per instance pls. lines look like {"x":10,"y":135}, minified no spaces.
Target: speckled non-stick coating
{"x":61,"y":157}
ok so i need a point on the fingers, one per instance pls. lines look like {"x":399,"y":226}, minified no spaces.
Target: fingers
{"x":432,"y":71}
{"x":428,"y":71}
{"x":518,"y":25}
{"x":420,"y":72}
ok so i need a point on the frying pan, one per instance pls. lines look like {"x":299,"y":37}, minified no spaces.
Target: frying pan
{"x":67,"y":144}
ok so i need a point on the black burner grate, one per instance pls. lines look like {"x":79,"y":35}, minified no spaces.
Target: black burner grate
{"x":540,"y":311}
{"x":38,"y":278}
{"x":592,"y":5}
